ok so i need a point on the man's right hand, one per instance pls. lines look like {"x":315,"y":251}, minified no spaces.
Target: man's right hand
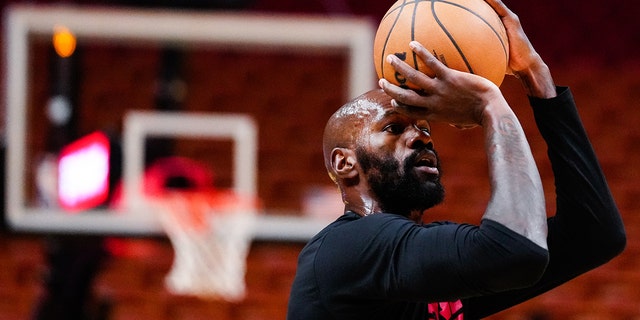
{"x":451,"y":96}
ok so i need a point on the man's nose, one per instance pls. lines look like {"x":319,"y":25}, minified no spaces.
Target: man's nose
{"x":419,"y":138}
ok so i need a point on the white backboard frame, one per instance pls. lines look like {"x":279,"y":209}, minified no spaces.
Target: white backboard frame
{"x":281,"y":32}
{"x":139,"y":126}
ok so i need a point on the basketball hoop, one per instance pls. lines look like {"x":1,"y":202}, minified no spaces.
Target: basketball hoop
{"x":211,"y":234}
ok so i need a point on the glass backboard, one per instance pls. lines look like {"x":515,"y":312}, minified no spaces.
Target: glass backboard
{"x":122,"y":28}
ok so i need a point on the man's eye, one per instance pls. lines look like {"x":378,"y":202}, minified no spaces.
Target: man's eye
{"x":393,"y":128}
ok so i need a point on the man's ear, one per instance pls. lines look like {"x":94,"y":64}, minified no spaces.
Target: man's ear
{"x":343,"y":163}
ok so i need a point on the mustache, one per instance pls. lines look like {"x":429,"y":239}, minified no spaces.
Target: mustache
{"x":418,"y":154}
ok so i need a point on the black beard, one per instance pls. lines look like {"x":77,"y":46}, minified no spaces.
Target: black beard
{"x":398,"y":189}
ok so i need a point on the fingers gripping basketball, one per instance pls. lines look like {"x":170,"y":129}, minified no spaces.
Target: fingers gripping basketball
{"x":465,"y":35}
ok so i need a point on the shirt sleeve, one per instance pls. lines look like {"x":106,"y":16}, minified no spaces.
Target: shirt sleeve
{"x":586,"y":230}
{"x":453,"y":261}
{"x":386,"y":256}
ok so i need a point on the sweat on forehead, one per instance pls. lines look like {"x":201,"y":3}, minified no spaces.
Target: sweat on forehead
{"x":343,"y":128}
{"x":360,"y":108}
{"x":369,"y":104}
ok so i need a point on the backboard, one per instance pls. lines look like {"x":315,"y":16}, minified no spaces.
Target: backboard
{"x":22,"y":23}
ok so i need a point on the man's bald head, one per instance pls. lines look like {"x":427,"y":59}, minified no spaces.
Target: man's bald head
{"x":344,"y":127}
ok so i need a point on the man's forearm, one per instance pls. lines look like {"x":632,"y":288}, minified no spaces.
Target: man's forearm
{"x":517,"y":198}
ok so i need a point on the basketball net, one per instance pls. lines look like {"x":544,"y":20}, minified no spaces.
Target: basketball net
{"x":211,"y":234}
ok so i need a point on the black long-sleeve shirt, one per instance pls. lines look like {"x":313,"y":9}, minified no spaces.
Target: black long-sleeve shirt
{"x":385,"y":266}
{"x":586,"y":230}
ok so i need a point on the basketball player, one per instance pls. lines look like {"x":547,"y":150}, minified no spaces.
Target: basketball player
{"x":380,"y":261}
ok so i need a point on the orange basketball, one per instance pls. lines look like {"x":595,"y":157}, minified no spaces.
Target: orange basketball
{"x":465,"y":35}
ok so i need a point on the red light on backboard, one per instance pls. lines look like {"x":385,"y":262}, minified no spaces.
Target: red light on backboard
{"x":83,"y":172}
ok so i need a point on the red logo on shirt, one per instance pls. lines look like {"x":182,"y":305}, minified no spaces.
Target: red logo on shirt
{"x":446,"y":311}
